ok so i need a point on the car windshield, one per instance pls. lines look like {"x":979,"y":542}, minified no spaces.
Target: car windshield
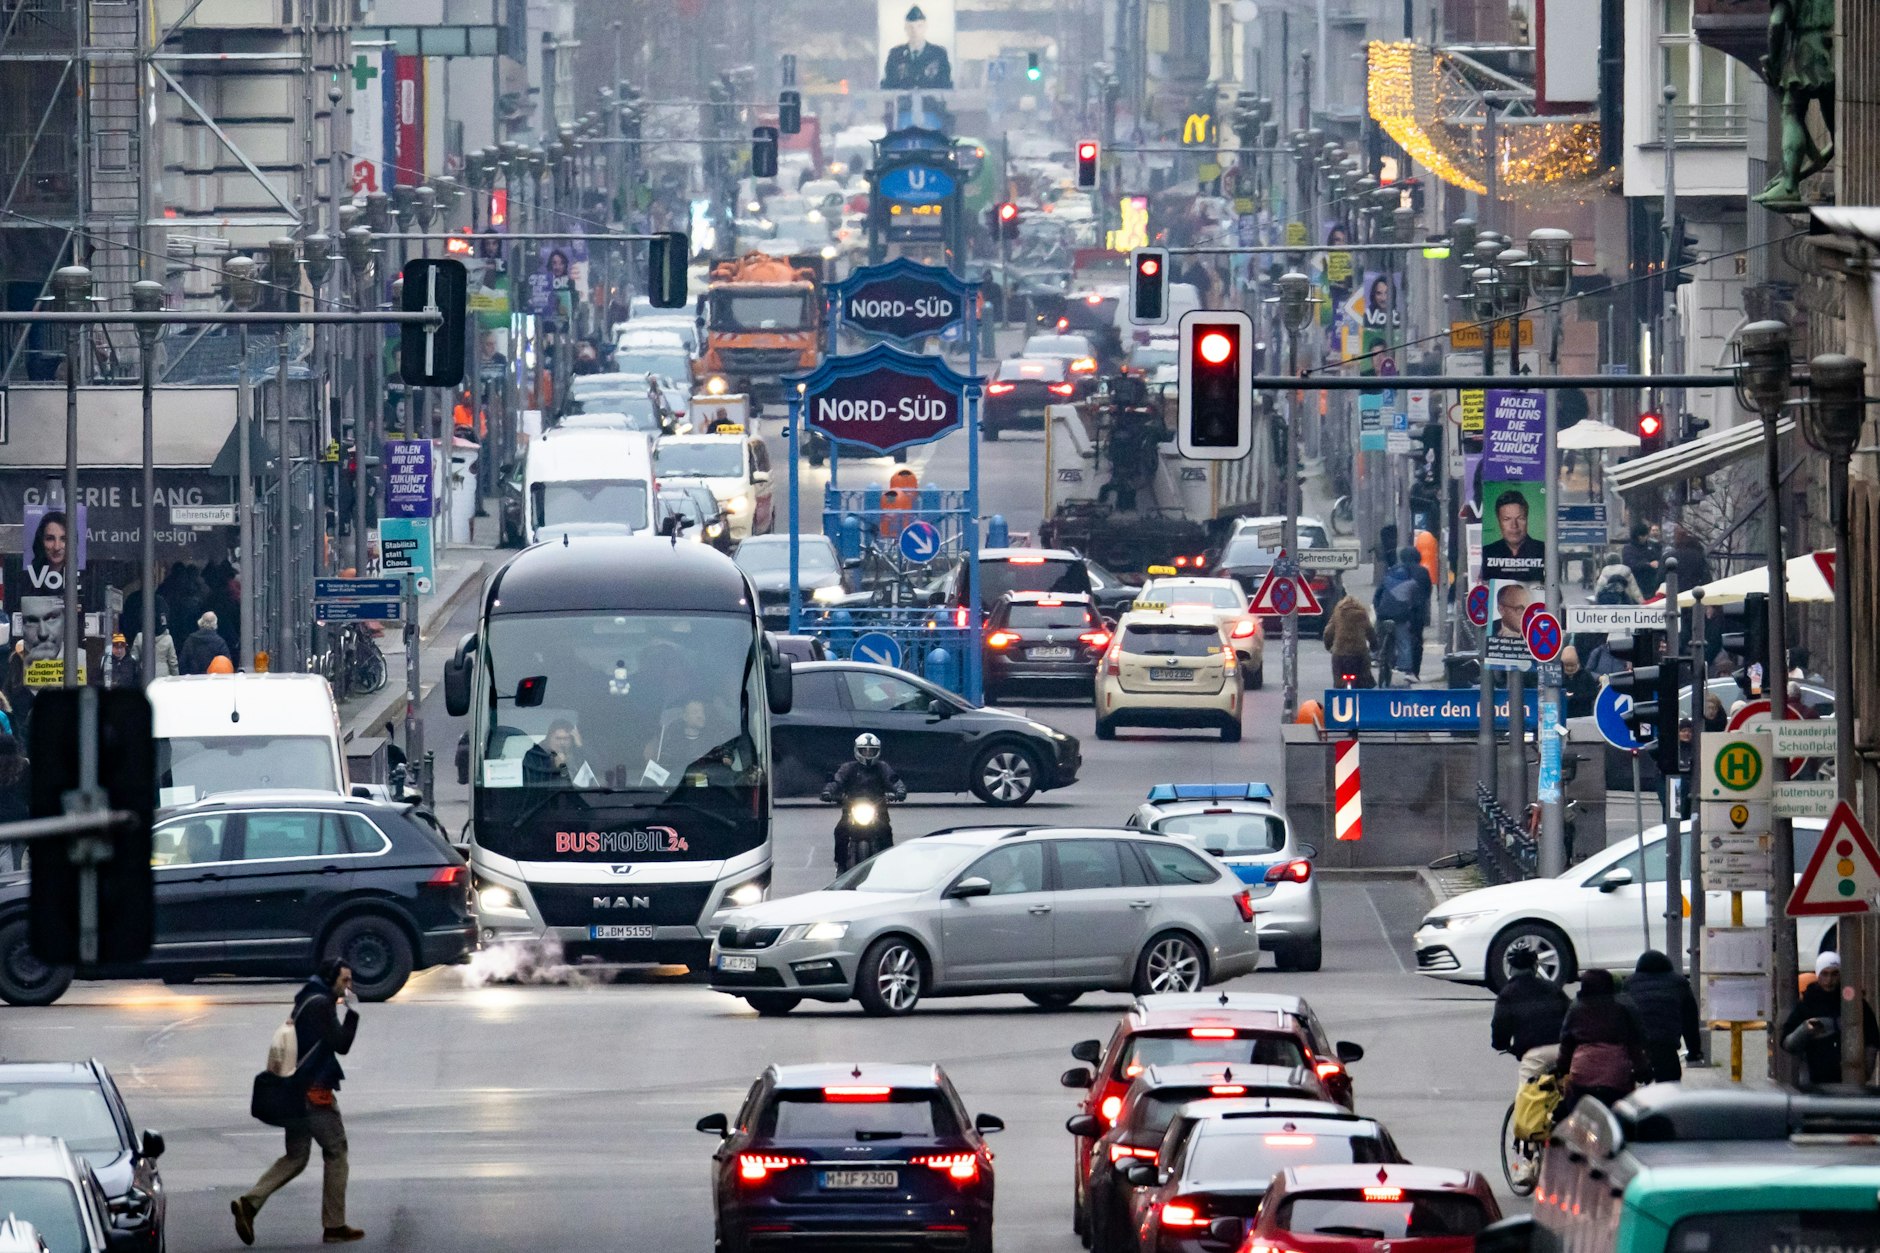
{"x":900,"y":1114}
{"x":190,"y":769}
{"x":682,"y":504}
{"x":716,"y":459}
{"x":1170,"y":639}
{"x":1247,"y":1157}
{"x":1170,"y":1048}
{"x":1211,"y":595}
{"x":905,"y":868}
{"x":75,"y":1113}
{"x":768,"y":311}
{"x":814,"y":560}
{"x":1039,"y":616}
{"x":998,"y":578}
{"x":1233,"y":834}
{"x":1056,"y":346}
{"x":600,"y":504}
{"x":1044,"y":369}
{"x":675,"y":366}
{"x":51,"y":1206}
{"x":1387,"y":1213}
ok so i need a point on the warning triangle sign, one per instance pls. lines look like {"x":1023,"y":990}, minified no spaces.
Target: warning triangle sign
{"x":1844,"y":873}
{"x":1283,"y":595}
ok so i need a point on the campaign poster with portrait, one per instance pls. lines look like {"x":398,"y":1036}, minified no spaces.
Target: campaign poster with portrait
{"x":41,"y":631}
{"x":53,"y":548}
{"x":1514,"y":489}
{"x":1508,"y":601}
{"x":914,"y":43}
{"x":1375,"y":312}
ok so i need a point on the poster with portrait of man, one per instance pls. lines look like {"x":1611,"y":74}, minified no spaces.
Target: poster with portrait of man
{"x":42,"y":634}
{"x":914,"y":43}
{"x":1514,"y":487}
{"x":1508,"y":601}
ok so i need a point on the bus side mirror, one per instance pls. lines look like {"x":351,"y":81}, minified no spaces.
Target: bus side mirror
{"x":779,"y":681}
{"x":1509,"y":1235}
{"x":457,"y":676}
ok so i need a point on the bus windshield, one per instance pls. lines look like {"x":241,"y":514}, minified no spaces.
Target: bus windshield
{"x":621,"y":711}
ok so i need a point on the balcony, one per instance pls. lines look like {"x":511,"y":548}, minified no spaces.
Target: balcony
{"x":1710,"y":123}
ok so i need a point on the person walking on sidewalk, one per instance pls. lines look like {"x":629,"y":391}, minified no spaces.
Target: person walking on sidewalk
{"x":1667,"y":1010}
{"x":326,"y":1018}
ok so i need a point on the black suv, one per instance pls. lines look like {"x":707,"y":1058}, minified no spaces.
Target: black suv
{"x":269,"y":883}
{"x":79,"y":1103}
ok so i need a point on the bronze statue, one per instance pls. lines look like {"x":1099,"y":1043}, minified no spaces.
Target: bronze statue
{"x":1800,"y":68}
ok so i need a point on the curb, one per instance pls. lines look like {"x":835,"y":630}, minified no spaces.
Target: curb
{"x":388,"y":710}
{"x":1388,"y":874}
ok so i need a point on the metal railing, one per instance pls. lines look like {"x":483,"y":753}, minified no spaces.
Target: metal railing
{"x":1506,"y":853}
{"x":1710,"y":123}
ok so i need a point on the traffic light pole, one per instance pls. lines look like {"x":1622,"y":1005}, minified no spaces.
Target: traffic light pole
{"x":1668,"y":720}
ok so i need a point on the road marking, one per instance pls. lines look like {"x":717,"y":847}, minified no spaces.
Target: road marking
{"x":1383,"y":930}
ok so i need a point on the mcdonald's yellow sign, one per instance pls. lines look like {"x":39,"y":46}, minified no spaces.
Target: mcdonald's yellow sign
{"x":1198,"y":129}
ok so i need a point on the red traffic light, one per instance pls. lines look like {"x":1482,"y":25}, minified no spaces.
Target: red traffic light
{"x":1007,"y":211}
{"x":1650,"y":425}
{"x":1087,"y":151}
{"x":1149,"y":267}
{"x":1215,"y":348}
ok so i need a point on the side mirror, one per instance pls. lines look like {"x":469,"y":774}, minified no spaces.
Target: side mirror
{"x":457,"y":676}
{"x":1141,"y":1175}
{"x":1510,"y":1235}
{"x":1615,"y":879}
{"x":779,"y":679}
{"x":153,"y":1144}
{"x":361,"y":791}
{"x":1085,"y":1125}
{"x":968,"y":888}
{"x":1309,"y":851}
{"x":1349,"y":1052}
{"x":938,"y":708}
{"x":1225,"y":1231}
{"x":1077,"y":1077}
{"x":715,"y":1125}
{"x":986,"y":1124}
{"x":1088,"y":1051}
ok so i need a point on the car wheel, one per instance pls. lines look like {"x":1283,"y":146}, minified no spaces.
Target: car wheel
{"x":891,"y":977}
{"x":1171,"y":963}
{"x":772,"y":1004}
{"x":1256,"y":678}
{"x":1053,"y":1000}
{"x":1553,"y":954}
{"x":1106,"y":730}
{"x":175,"y":980}
{"x":1305,"y":954}
{"x":24,"y":979}
{"x":1230,"y":732}
{"x":376,"y":951}
{"x":1005,"y":774}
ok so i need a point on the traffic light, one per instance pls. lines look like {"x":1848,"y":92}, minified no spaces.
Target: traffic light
{"x":1667,"y":685}
{"x":1148,"y":286}
{"x":1651,"y":431}
{"x":1683,"y":256}
{"x":786,"y":65}
{"x":667,"y":255}
{"x":1750,"y":646}
{"x":1641,"y":650}
{"x":790,"y":112}
{"x":1087,"y":152}
{"x":1032,"y":71}
{"x":1691,"y":426}
{"x":433,"y":356}
{"x":1008,"y":220}
{"x":1214,"y":414}
{"x":764,"y":152}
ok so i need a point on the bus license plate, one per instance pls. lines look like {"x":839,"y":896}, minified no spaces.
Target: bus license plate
{"x":1048,"y":654}
{"x":737,"y":961}
{"x":838,"y":1179}
{"x":620,"y":933}
{"x":1169,"y":676}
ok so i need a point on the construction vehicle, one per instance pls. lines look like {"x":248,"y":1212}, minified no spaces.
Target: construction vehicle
{"x":763,"y":320}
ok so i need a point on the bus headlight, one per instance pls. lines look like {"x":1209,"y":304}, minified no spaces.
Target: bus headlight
{"x":498,"y":900}
{"x":745,"y":894}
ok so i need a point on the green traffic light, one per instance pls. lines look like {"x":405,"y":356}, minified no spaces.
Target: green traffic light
{"x":1034,"y":73}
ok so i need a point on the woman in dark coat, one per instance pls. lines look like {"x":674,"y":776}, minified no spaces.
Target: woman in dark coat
{"x":1602,"y":1044}
{"x":1667,"y":1010}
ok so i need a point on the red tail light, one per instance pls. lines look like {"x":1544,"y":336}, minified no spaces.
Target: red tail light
{"x":1181,"y":563}
{"x":1243,"y":901}
{"x":1327,"y":1069}
{"x":1228,"y":1089}
{"x":1064,"y":324}
{"x":448,"y":876}
{"x":1181,"y":1214}
{"x":1062,"y":389}
{"x":998,"y":389}
{"x":755,"y":1167}
{"x":1111,"y":1107}
{"x":1096,"y":639}
{"x":858,"y":1092}
{"x":1383,"y":1194}
{"x":1210,"y":1033}
{"x":1244,"y":629}
{"x":1298,"y":870}
{"x":1001,"y":639}
{"x":1119,"y":1151}
{"x":959,"y":617}
{"x":1084,"y":365}
{"x":1111,"y":666}
{"x":959,"y":1167}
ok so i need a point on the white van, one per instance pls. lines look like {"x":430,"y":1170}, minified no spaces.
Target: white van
{"x":1182,"y":298}
{"x":735,"y":465}
{"x":237,"y":732}
{"x":587,"y":482}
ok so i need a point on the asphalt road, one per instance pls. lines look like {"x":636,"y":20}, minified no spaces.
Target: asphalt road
{"x":502,"y":1116}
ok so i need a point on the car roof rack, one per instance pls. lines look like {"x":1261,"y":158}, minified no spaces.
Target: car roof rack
{"x":1210,"y":792}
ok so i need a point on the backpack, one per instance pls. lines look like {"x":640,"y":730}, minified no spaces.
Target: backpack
{"x":1612,"y":592}
{"x":1399,"y":595}
{"x":284,"y":1049}
{"x":279,"y":1097}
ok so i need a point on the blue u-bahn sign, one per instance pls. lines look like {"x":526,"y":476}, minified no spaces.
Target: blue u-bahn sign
{"x":917,"y":184}
{"x":1454,"y":709}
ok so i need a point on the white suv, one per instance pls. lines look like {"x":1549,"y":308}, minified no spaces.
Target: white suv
{"x":1169,"y":668}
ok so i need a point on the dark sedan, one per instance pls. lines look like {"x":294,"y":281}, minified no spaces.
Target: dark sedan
{"x":271,"y":883}
{"x":79,"y":1103}
{"x":935,"y":741}
{"x":1016,"y":398}
{"x":824,"y":582}
{"x":1036,"y":641}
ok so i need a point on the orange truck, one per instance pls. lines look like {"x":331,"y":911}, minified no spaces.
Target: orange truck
{"x":763,"y":320}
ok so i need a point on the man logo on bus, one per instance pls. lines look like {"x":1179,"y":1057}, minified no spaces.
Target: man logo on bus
{"x":638,"y":840}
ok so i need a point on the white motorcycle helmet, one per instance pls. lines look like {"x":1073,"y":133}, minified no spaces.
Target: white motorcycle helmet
{"x":867,"y":747}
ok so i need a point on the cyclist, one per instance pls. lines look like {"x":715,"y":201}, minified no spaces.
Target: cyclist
{"x":867,"y":777}
{"x":1602,"y":1044}
{"x":1529,"y":1011}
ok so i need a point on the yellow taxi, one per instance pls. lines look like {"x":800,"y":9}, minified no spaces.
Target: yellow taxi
{"x":1227,"y":600}
{"x":1169,"y":667}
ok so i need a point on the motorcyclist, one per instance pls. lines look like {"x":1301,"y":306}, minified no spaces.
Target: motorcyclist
{"x":866,"y":778}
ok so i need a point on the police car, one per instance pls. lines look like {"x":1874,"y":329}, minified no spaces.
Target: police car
{"x":1238,"y":823}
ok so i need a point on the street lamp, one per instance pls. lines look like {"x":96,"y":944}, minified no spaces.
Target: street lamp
{"x":71,"y":289}
{"x":424,"y":207}
{"x":284,"y":273}
{"x":1295,"y":308}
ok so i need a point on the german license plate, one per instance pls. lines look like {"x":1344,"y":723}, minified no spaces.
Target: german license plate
{"x":736,"y":961}
{"x":1169,"y":676}
{"x":1048,"y":654}
{"x":620,"y":933}
{"x":852,"y":1179}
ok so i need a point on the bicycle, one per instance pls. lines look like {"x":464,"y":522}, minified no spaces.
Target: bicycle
{"x":363,"y":662}
{"x":1520,"y":1158}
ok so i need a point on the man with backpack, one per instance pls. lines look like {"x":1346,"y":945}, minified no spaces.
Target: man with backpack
{"x":1402,"y":605}
{"x":324,"y":1021}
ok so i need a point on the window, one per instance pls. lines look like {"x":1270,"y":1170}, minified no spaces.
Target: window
{"x":269,"y":836}
{"x":815,"y":690}
{"x":1168,"y":639}
{"x":592,"y":503}
{"x":1654,"y":865}
{"x":1073,"y":617}
{"x":189,"y":842}
{"x":1085,"y":865}
{"x":1229,"y":835}
{"x":1772,"y":1229}
{"x":190,"y":769}
{"x":714,"y":459}
{"x":1174,"y":866}
{"x":1709,"y":107}
{"x":872,"y":693}
{"x":76,"y":1113}
{"x":1146,"y":1049}
{"x":1011,"y":870}
{"x":1348,"y":1213}
{"x":799,"y":1116}
{"x":363,"y":837}
{"x":1227,"y":1156}
{"x":51,"y":1206}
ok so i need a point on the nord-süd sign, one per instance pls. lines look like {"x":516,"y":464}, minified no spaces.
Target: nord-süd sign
{"x":902,"y":300}
{"x":884,"y":399}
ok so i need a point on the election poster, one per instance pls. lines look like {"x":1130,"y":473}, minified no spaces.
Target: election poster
{"x":1514,"y":489}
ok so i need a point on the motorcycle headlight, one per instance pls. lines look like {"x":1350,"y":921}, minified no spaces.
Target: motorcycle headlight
{"x":862,"y":812}
{"x":815,"y":931}
{"x":496,"y":899}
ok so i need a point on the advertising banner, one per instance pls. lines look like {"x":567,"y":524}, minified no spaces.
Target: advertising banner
{"x":1514,"y":490}
{"x":53,"y":548}
{"x":372,"y":75}
{"x":407,"y":121}
{"x":408,"y":478}
{"x":915,"y":44}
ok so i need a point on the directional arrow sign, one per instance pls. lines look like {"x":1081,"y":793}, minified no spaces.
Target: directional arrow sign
{"x":1843,"y":873}
{"x":879,"y":648}
{"x":920,"y":542}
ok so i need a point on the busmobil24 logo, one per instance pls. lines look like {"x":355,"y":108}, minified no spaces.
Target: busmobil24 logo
{"x":638,"y":840}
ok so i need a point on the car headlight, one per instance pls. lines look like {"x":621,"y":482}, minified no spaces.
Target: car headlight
{"x":815,"y":931}
{"x":828,"y":595}
{"x":745,"y":894}
{"x":1452,"y":922}
{"x":715,"y":530}
{"x":496,"y":899}
{"x":739,"y":503}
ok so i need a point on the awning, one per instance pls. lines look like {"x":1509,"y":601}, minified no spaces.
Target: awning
{"x":1806,"y":585}
{"x":1700,"y":456}
{"x":1851,"y":221}
{"x":1588,"y":434}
